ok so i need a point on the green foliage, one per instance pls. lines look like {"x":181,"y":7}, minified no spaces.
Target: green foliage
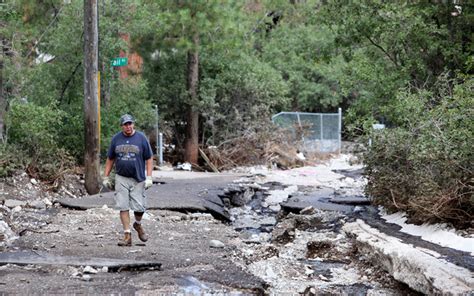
{"x":237,"y":94}
{"x":10,"y":161}
{"x":302,"y":55}
{"x":59,"y":82}
{"x":390,"y":46}
{"x":380,"y":61}
{"x":130,"y":97}
{"x":424,"y":167}
{"x":33,"y":130}
{"x":33,"y":126}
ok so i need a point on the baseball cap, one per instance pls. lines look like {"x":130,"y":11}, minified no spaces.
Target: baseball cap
{"x":126,"y":118}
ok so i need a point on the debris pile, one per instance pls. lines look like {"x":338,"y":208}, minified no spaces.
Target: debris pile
{"x":270,"y":148}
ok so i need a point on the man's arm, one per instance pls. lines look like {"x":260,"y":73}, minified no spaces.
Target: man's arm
{"x":109,"y":163}
{"x":149,"y":166}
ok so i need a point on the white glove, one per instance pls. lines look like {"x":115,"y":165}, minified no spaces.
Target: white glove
{"x":148,"y":182}
{"x":107,"y":182}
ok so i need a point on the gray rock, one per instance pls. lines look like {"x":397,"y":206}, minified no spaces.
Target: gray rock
{"x":47,"y":202}
{"x":307,"y":211}
{"x":89,"y":269}
{"x":12,"y":203}
{"x":216,"y":244}
{"x":268,"y":221}
{"x":284,"y":232}
{"x":37,"y":204}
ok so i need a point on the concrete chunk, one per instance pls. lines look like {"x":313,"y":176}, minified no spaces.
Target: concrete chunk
{"x":420,"y":270}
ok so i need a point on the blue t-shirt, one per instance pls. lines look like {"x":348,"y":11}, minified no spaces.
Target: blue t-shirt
{"x":130,"y":154}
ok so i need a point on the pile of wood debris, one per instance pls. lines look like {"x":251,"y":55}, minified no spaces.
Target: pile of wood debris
{"x":268,"y":148}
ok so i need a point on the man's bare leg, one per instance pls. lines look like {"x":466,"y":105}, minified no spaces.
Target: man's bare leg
{"x":125,"y":219}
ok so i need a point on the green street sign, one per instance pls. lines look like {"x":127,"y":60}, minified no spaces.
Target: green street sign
{"x":119,"y":62}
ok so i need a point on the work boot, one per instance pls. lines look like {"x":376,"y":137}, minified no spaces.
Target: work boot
{"x":126,"y":241}
{"x":141,"y":233}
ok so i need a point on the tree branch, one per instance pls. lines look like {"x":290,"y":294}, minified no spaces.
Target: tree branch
{"x":383,"y":50}
{"x":66,"y":84}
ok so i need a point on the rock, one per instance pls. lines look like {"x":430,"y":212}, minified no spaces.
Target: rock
{"x":278,"y":196}
{"x":7,"y":236}
{"x":240,"y":199}
{"x":275,"y":208}
{"x":284,"y":232}
{"x":308,"y":271}
{"x":315,"y":249}
{"x":216,"y":244}
{"x":12,"y":203}
{"x":304,"y":222}
{"x":323,"y":278}
{"x":89,"y":269}
{"x":307,"y":211}
{"x":37,"y":204}
{"x":268,"y":221}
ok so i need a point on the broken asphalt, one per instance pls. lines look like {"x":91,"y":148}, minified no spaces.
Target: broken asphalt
{"x":316,"y":239}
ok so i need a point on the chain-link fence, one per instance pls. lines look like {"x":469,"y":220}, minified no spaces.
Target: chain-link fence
{"x":318,"y":132}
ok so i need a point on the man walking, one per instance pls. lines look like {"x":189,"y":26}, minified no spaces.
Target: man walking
{"x":132,"y":155}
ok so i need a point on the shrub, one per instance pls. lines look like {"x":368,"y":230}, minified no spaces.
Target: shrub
{"x":424,"y":166}
{"x":33,"y":134}
{"x":9,"y":160}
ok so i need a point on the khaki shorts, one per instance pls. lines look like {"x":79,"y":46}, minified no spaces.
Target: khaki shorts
{"x":129,"y":194}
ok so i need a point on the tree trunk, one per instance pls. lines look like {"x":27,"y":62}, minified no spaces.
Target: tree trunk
{"x":91,"y":116}
{"x":191,"y":146}
{"x":295,"y":105}
{"x":3,"y":102}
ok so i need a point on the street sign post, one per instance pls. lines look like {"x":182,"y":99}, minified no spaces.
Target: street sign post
{"x":119,"y":62}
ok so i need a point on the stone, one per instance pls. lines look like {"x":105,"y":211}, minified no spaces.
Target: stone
{"x":37,"y":204}
{"x":275,"y":208}
{"x":284,"y":232}
{"x":12,"y":203}
{"x":89,"y":269}
{"x":307,"y":211}
{"x":216,"y":244}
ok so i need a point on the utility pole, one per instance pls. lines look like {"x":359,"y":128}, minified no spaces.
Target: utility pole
{"x":91,"y":97}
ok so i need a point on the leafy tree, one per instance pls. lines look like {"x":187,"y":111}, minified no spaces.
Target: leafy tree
{"x":52,"y":75}
{"x":302,"y":54}
{"x":187,"y":30}
{"x":389,"y":45}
